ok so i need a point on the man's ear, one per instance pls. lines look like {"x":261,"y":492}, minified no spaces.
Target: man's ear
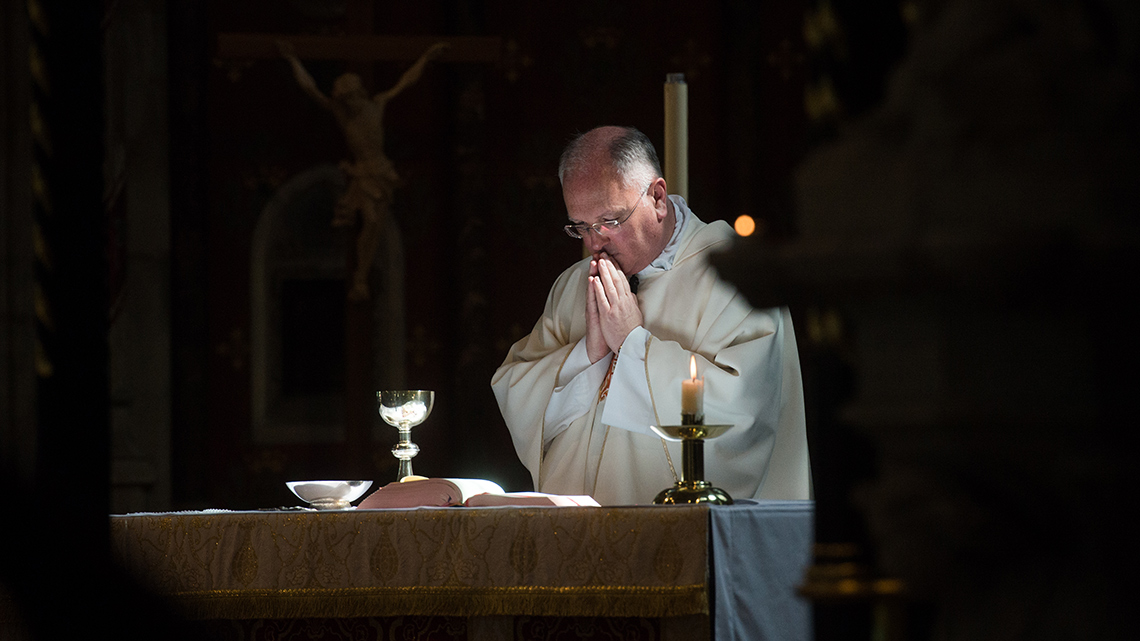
{"x":659,"y":193}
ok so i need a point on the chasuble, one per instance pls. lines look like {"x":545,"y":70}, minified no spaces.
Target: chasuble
{"x":602,"y":445}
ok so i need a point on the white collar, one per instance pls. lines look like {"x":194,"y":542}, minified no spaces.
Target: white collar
{"x":664,"y":260}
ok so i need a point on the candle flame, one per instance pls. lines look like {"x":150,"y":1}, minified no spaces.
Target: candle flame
{"x":693,"y":367}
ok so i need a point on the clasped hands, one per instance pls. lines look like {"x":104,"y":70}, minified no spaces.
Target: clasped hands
{"x":612,"y":311}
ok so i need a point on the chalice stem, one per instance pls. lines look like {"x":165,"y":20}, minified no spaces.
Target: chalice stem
{"x":404,"y":450}
{"x":405,"y":469}
{"x":692,"y":460}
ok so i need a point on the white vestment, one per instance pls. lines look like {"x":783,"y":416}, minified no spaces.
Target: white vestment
{"x":578,"y":445}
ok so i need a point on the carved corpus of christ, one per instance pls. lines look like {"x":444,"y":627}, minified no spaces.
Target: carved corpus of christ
{"x":372,"y":178}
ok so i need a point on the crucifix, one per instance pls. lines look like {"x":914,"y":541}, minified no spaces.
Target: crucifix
{"x":372,"y":178}
{"x":370,"y":175}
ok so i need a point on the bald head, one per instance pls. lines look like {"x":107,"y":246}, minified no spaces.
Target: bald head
{"x":611,"y":176}
{"x":624,"y":151}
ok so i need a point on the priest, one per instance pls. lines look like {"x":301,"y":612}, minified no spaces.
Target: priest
{"x":608,"y":356}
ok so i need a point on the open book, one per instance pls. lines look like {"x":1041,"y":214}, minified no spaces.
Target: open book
{"x":489,"y":499}
{"x":441,"y":492}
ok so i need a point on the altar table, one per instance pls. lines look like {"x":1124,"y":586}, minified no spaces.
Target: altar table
{"x":719,"y":572}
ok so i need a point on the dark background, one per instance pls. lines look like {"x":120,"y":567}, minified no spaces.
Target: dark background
{"x":959,"y":260}
{"x":142,"y":113}
{"x":476,"y":145}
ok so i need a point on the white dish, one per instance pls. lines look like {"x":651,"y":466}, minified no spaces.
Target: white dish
{"x":329,"y":495}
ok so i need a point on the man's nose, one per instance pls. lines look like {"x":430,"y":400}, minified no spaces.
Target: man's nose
{"x":594,"y":241}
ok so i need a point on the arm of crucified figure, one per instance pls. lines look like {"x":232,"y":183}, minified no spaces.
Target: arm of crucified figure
{"x":413,"y":73}
{"x":306,"y":82}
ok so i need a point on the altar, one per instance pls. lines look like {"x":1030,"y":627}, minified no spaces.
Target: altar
{"x":642,"y":572}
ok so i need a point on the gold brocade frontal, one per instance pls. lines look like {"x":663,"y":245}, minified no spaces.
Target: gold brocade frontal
{"x":618,"y":562}
{"x":622,"y":601}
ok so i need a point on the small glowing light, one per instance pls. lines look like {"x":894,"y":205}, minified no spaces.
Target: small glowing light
{"x":744,"y":225}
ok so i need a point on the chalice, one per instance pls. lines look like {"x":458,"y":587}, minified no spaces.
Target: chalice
{"x":403,"y":410}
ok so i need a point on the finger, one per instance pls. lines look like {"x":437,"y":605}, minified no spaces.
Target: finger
{"x":591,"y":298}
{"x":600,"y":296}
{"x":594,"y":267}
{"x":607,"y":278}
{"x":617,"y":278}
{"x":621,"y":283}
{"x":616,"y":273}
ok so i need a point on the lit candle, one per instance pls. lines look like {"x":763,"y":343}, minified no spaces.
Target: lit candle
{"x":693,"y":392}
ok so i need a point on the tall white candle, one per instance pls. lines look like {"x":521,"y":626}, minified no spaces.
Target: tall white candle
{"x":676,"y":157}
{"x":693,"y":391}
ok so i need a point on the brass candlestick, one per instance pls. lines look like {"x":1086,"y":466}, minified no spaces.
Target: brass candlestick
{"x":692,"y":488}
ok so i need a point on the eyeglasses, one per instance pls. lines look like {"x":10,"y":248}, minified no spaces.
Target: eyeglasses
{"x":604,"y":228}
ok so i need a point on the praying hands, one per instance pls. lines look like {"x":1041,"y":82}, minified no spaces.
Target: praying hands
{"x":612,"y":311}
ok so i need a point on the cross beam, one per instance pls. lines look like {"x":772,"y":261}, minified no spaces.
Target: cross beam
{"x":358,"y":48}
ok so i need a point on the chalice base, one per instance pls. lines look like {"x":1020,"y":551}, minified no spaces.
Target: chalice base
{"x":688,"y":492}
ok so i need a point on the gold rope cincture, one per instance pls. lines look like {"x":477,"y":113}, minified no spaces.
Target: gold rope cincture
{"x":649,"y":382}
{"x":602,"y":395}
{"x":605,"y":389}
{"x":603,"y":392}
{"x":672,"y":470}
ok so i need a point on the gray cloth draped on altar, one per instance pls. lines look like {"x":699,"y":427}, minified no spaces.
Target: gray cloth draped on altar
{"x":761,"y":550}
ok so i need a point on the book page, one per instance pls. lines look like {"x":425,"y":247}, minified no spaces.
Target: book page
{"x":529,"y":498}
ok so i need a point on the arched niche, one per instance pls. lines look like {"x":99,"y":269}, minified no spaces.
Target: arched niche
{"x":298,"y":313}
